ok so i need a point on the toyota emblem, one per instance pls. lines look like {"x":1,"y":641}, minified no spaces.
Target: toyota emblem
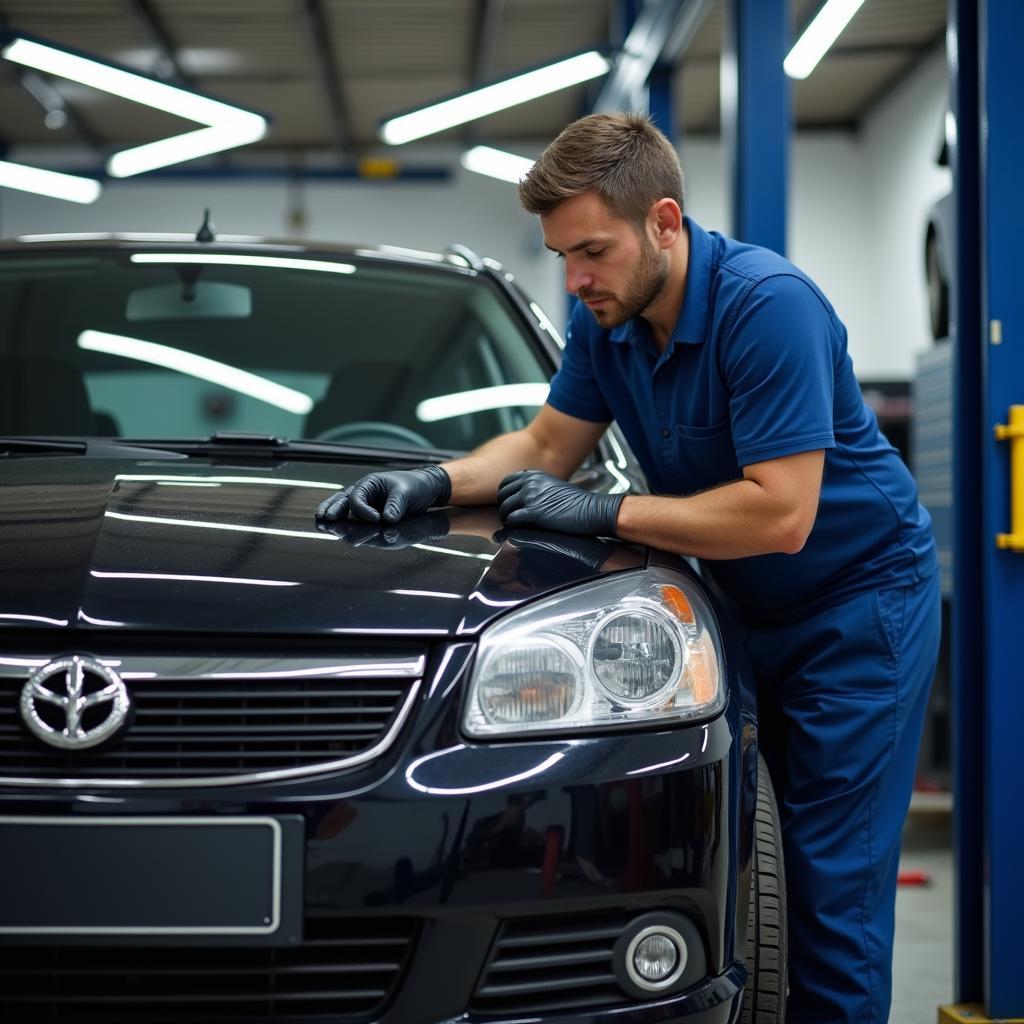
{"x":74,"y":702}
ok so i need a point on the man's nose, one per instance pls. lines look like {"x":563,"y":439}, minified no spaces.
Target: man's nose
{"x":575,"y":279}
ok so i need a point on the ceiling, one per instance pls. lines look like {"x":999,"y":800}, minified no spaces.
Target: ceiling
{"x":327,"y":71}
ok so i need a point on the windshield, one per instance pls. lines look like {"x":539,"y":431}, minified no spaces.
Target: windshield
{"x":186,"y":344}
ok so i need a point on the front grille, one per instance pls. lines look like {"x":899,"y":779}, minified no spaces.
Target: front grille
{"x":224,"y":725}
{"x":345,"y":971}
{"x":547,"y":964}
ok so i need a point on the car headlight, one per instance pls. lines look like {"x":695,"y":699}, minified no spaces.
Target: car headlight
{"x":636,"y":649}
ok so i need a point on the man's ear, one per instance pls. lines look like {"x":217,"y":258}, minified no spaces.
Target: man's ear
{"x":666,"y":222}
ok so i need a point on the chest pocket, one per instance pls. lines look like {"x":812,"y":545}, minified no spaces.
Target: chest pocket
{"x":705,"y":457}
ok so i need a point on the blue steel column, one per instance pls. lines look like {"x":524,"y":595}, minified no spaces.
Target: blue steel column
{"x":755,"y":97}
{"x":1001,"y":30}
{"x":967,"y":608}
{"x":659,"y":100}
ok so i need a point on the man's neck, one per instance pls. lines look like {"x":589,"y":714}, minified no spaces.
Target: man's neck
{"x":663,"y":313}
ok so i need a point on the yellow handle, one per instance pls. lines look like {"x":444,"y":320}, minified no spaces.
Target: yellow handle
{"x":1014,"y":433}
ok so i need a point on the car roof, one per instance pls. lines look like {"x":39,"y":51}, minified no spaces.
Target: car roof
{"x":457,"y":257}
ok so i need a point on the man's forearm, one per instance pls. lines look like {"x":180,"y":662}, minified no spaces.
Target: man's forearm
{"x":476,"y":477}
{"x":736,"y":520}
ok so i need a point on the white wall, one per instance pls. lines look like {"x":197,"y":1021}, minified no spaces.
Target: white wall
{"x":902,"y":182}
{"x":857,"y":211}
{"x":858,"y":208}
{"x":828,"y":235}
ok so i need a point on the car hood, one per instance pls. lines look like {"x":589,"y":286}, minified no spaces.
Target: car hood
{"x":207,"y":546}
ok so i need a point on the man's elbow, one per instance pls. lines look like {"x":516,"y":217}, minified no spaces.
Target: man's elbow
{"x":794,"y":529}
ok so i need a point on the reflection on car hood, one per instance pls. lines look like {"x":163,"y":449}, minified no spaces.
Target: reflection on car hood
{"x":204,"y":546}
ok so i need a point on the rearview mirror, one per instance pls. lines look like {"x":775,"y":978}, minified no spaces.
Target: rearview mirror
{"x":209,"y":300}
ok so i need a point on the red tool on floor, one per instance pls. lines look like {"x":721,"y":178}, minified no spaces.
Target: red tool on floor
{"x":913,"y":878}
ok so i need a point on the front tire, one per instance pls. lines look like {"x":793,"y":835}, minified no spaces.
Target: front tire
{"x":764,"y":998}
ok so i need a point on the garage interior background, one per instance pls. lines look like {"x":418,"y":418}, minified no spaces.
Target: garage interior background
{"x":863,"y":172}
{"x":864,"y":175}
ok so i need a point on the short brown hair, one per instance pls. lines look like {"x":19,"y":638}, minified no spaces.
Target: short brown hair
{"x":621,"y":157}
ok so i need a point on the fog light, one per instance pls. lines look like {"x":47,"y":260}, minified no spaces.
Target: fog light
{"x":656,"y":957}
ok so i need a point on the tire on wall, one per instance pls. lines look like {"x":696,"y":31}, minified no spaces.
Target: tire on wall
{"x":764,"y":998}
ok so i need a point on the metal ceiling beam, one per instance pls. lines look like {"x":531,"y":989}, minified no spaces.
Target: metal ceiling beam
{"x":155,"y":30}
{"x":327,"y":72}
{"x":857,"y":50}
{"x":39,"y":86}
{"x":72,"y":117}
{"x":660,"y":34}
{"x":484,"y":39}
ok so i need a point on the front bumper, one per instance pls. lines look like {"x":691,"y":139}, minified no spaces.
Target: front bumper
{"x":452,"y":843}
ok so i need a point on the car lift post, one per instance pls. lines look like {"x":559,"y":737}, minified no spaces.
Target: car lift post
{"x":756,"y":119}
{"x":987,"y":84}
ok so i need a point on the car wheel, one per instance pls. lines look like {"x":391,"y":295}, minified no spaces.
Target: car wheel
{"x":764,"y":999}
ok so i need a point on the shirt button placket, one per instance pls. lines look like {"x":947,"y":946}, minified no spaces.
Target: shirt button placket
{"x":661,"y":410}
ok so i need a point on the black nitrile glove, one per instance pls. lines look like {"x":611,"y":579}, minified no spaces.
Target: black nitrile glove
{"x":389,"y":496}
{"x":533,"y":498}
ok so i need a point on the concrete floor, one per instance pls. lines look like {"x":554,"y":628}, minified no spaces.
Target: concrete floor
{"x":923,"y":958}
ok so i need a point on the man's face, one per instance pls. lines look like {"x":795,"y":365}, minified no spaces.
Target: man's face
{"x":611,"y":266}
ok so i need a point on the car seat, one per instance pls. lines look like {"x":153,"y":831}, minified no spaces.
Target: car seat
{"x":41,"y":395}
{"x":367,"y":391}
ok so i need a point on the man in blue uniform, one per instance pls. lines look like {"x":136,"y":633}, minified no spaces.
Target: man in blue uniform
{"x":727,"y":370}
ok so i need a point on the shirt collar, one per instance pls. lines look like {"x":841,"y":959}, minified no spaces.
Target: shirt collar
{"x":691,"y":327}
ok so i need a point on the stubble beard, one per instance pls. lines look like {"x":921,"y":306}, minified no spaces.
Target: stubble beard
{"x":646,"y":284}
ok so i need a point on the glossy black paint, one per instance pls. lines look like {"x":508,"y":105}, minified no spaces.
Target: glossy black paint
{"x":100,"y":553}
{"x":202,"y":547}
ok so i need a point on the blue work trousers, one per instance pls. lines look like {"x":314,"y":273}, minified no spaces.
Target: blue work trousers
{"x":842,"y":696}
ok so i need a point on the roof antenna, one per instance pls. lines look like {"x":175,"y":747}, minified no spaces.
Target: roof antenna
{"x":206,"y":229}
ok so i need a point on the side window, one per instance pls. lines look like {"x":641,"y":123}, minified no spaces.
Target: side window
{"x":466,"y":362}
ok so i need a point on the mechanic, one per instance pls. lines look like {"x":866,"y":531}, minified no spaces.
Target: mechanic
{"x":727,"y":370}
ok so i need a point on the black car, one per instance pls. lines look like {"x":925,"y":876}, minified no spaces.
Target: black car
{"x":253,"y":768}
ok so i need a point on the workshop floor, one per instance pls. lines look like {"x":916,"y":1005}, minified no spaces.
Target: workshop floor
{"x":923,"y":959}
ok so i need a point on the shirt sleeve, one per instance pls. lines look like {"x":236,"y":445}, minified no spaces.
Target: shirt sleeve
{"x":778,"y":365}
{"x":574,"y":388}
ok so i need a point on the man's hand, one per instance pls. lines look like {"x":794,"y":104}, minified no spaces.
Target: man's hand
{"x":533,"y":498}
{"x":387,"y":497}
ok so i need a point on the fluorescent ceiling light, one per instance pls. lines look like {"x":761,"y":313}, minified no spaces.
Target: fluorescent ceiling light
{"x":189,"y":363}
{"x":496,"y":163}
{"x":491,"y":98}
{"x":189,"y":146}
{"x":119,"y":82}
{"x":49,"y":183}
{"x":822,"y":32}
{"x":502,"y":396}
{"x":228,"y":259}
{"x":224,"y":126}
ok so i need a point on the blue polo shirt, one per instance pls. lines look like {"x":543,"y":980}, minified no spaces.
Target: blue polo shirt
{"x":757,"y":368}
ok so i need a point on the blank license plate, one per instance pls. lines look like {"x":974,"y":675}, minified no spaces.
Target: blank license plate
{"x":230,"y":878}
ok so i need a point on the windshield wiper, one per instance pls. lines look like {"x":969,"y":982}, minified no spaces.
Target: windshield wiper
{"x":229,"y":442}
{"x":40,"y":446}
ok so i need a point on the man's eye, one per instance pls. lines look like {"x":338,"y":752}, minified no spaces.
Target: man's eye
{"x":594,"y":252}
